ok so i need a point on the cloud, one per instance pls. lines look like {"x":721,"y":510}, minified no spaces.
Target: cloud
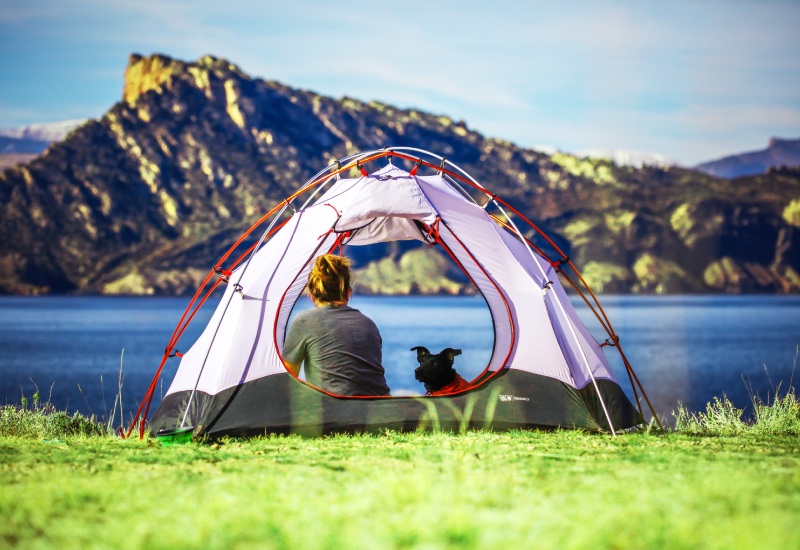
{"x":692,"y":134}
{"x":17,"y":12}
{"x":721,"y":121}
{"x":574,"y":74}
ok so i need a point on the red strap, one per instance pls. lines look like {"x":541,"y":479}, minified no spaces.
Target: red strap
{"x":612,"y":341}
{"x":556,"y":264}
{"x":340,"y":242}
{"x":433,"y":231}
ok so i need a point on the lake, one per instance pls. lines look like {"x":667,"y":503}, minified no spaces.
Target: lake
{"x":685,"y":349}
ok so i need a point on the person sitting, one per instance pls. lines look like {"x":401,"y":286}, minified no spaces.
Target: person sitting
{"x":339,"y":347}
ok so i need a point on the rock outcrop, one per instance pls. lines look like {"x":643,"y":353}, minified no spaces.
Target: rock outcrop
{"x":144,"y":74}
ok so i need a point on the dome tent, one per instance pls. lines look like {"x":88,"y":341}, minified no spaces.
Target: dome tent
{"x":545,"y":370}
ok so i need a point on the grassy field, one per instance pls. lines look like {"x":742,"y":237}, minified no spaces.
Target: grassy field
{"x":563,"y":489}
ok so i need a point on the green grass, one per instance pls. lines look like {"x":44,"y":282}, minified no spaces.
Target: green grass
{"x":43,"y":420}
{"x":721,"y":418}
{"x":563,"y":489}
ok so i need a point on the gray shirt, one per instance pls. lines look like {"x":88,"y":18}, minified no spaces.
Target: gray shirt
{"x":340,"y":348}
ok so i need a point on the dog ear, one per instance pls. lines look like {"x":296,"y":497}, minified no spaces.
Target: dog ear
{"x":451,"y":353}
{"x":422,"y":353}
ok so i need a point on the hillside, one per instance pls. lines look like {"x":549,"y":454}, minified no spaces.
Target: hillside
{"x":144,"y":199}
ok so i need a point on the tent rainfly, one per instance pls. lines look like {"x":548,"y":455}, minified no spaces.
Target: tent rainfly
{"x":546,"y":370}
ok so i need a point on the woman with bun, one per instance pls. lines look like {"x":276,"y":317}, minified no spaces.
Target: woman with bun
{"x":339,"y":347}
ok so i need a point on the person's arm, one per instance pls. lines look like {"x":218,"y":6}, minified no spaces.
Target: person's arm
{"x":294,"y":347}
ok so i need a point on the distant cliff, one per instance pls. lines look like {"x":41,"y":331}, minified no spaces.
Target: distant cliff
{"x":779,"y":153}
{"x":145,"y":199}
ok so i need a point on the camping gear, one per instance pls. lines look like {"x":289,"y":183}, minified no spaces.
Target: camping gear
{"x":546,"y":370}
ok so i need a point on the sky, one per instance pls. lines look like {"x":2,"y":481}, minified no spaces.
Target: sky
{"x":693,"y":81}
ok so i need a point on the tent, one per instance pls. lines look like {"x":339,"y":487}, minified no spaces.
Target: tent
{"x":546,"y":370}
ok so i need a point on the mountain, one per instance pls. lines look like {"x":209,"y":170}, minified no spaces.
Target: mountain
{"x":20,"y":145}
{"x":10,"y":145}
{"x":145,"y":199}
{"x":15,"y":150}
{"x":779,"y":153}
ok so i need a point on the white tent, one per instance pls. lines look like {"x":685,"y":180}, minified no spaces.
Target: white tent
{"x":545,"y":370}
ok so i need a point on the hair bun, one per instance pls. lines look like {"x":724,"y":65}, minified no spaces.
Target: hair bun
{"x":329,"y":280}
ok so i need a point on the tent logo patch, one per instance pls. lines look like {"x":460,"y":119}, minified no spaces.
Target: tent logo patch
{"x":507,"y":398}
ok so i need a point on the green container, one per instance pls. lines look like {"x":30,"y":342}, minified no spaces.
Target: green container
{"x":176,"y":436}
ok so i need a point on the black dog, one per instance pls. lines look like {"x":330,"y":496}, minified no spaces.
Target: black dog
{"x":437,"y":372}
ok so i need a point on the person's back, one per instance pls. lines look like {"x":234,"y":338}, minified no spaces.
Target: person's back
{"x":339,"y":346}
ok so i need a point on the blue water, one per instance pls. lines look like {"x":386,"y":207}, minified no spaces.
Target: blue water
{"x":684,"y":349}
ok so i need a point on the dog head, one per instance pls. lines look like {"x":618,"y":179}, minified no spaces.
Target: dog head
{"x":435,"y":371}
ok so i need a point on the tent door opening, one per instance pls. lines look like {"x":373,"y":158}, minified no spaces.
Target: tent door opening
{"x":449,"y":312}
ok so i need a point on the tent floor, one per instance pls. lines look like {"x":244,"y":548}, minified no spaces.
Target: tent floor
{"x":512,"y":399}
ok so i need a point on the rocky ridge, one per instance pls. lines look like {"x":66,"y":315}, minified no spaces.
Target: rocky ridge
{"x":145,"y":199}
